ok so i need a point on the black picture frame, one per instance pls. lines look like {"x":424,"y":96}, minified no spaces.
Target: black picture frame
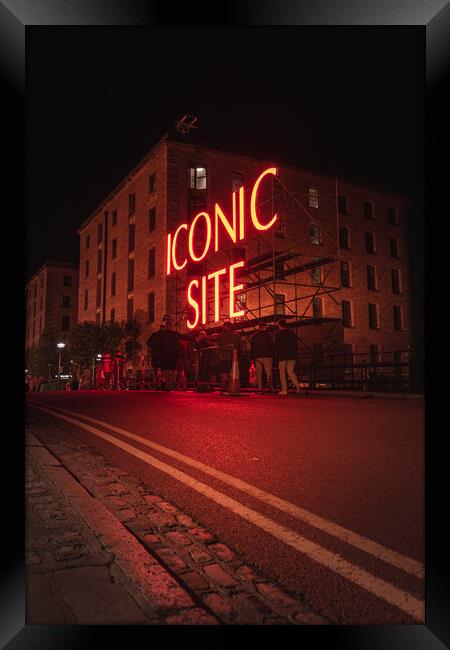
{"x":15,"y":18}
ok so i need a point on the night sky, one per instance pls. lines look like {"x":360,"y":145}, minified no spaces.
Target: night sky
{"x":346,"y":101}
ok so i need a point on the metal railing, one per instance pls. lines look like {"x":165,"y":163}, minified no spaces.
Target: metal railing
{"x":212,"y":364}
{"x":206,"y":369}
{"x":390,"y":372}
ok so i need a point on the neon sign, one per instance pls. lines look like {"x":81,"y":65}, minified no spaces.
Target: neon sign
{"x":202,"y":238}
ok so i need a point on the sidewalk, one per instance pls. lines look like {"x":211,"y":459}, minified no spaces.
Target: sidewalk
{"x":100,"y":549}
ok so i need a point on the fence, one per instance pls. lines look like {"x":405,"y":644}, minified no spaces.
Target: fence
{"x":206,"y":368}
{"x":389,"y":372}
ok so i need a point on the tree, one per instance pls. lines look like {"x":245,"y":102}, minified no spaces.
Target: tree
{"x":133,"y":345}
{"x":40,"y":357}
{"x":88,"y":339}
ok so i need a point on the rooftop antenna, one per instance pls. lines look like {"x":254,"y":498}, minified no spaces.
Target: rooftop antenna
{"x":186,"y":123}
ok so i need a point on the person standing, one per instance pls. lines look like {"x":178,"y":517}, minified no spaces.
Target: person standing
{"x":182,"y":360}
{"x":169,"y":341}
{"x":204,"y":370}
{"x":228,"y":340}
{"x":286,"y":352}
{"x":118,"y":368}
{"x":154,"y":346}
{"x":107,"y":364}
{"x":262,"y":351}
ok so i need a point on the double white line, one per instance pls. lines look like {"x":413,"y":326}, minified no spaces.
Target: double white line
{"x":380,"y":588}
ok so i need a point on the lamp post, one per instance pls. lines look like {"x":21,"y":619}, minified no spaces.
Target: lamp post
{"x":60,"y":347}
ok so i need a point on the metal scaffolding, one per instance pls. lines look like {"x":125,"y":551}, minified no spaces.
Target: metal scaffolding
{"x":275,"y":263}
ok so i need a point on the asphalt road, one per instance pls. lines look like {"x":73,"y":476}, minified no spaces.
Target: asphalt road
{"x":324,"y":495}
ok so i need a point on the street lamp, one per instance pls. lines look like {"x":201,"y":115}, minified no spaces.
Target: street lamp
{"x":60,"y":347}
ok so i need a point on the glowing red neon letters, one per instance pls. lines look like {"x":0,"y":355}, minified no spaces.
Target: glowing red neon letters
{"x":234,"y":230}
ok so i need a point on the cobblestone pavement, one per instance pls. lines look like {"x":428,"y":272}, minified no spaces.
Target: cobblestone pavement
{"x":102,"y":549}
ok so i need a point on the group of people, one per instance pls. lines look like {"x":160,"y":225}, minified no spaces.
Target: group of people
{"x":202,"y":359}
{"x":110,"y":371}
{"x":171,"y":356}
{"x":282,"y":348}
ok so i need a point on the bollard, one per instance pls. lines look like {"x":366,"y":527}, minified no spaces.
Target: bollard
{"x":234,"y":385}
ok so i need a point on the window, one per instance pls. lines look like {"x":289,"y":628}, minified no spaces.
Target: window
{"x":342,"y":204}
{"x":238,"y":180}
{"x":99,"y":233}
{"x":370,"y":242}
{"x":314,"y":234}
{"x":152,"y":183}
{"x":86,"y":270}
{"x":373,"y":316}
{"x":35,"y":290}
{"x":240,"y":303}
{"x":113,"y":284}
{"x":66,"y":302}
{"x":86,"y":299}
{"x":398,"y":319}
{"x":317,"y":307}
{"x":343,"y":238}
{"x":280,"y":227}
{"x":393,"y":246}
{"x":371,"y":278}
{"x":67,"y":281}
{"x":151,"y":307}
{"x":345,"y":273}
{"x":130,"y":309}
{"x":99,"y":260}
{"x":151,"y":262}
{"x":131,"y":236}
{"x":131,"y":204}
{"x":34,"y":308}
{"x":346,"y":313}
{"x":65,"y":322}
{"x":197,"y":178}
{"x":316,"y":276}
{"x":393,"y":216}
{"x":280,"y":305}
{"x":395,"y":276}
{"x":313,"y":197}
{"x":130,"y":275}
{"x":374,"y":355}
{"x":114,"y":218}
{"x":112,"y":315}
{"x":151,"y":219}
{"x":88,"y":241}
{"x":41,"y":303}
{"x":114,"y":249}
{"x":368,"y":210}
{"x":99,"y":293}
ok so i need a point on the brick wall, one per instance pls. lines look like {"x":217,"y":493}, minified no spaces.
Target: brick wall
{"x":45,"y":306}
{"x":176,"y":204}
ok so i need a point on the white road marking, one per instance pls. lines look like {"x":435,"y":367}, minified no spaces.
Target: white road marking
{"x":406,"y":564}
{"x":404,"y":601}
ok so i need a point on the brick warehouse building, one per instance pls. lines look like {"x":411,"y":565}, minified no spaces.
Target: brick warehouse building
{"x":335,"y":263}
{"x":51,"y":300}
